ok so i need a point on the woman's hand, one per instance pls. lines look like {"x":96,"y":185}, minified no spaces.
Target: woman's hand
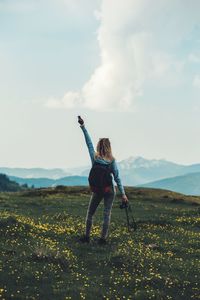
{"x":124,"y":198}
{"x":80,"y":121}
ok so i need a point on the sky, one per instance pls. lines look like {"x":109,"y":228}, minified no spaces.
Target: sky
{"x":130,"y":68}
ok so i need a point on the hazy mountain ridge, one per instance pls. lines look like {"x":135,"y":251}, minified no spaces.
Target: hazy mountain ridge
{"x":188,"y":184}
{"x":35,"y":172}
{"x":48,"y":182}
{"x":139,"y":170}
{"x":133,"y":171}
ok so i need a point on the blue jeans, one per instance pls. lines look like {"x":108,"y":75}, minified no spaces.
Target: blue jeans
{"x":94,"y":203}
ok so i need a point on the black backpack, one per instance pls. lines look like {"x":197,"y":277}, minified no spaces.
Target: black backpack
{"x":100,"y":177}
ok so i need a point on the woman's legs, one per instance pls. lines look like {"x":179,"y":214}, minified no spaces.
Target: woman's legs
{"x":108,"y":202}
{"x":94,"y":202}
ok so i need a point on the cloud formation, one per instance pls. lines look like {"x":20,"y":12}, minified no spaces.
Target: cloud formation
{"x":140,"y":43}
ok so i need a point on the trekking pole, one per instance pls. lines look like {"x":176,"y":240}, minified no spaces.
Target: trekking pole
{"x":134,"y":224}
{"x":129,"y":215}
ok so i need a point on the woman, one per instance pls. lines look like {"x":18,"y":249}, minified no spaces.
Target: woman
{"x":102,"y":156}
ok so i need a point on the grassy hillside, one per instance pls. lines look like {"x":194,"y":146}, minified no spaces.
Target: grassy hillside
{"x":188,"y":184}
{"x":41,"y":257}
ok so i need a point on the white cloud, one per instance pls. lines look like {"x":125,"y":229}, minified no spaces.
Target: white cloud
{"x":70,"y":100}
{"x":139,"y":42}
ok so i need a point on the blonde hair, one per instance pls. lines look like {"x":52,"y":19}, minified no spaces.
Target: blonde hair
{"x":103,"y":149}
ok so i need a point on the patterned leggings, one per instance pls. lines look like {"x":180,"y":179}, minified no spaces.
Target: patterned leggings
{"x":94,"y":203}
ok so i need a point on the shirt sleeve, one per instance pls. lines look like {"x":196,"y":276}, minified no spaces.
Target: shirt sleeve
{"x":88,"y":143}
{"x":117,"y":179}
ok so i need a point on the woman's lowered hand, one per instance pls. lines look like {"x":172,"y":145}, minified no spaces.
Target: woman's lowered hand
{"x":124,"y":198}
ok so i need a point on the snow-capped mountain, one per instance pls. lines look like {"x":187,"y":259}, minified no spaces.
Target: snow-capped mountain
{"x":137,"y":162}
{"x":138,"y":170}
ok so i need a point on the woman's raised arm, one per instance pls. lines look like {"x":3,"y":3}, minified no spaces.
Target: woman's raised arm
{"x":87,"y":140}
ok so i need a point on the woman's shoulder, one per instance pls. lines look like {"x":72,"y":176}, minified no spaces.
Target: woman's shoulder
{"x":113,"y":163}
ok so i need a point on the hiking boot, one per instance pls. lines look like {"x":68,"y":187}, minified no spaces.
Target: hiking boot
{"x":102,"y":241}
{"x":84,"y":239}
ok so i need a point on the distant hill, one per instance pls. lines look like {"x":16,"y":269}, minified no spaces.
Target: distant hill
{"x":188,"y":184}
{"x":35,"y":172}
{"x":133,"y":171}
{"x":7,"y":185}
{"x":138,"y":170}
{"x":135,"y":193}
{"x":48,"y":182}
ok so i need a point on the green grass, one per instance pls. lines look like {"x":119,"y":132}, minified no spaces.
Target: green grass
{"x":41,"y":257}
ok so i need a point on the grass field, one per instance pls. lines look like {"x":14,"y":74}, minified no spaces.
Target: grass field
{"x":41,"y":257}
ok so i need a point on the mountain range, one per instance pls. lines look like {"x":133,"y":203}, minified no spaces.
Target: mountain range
{"x":48,"y":182}
{"x":35,"y":172}
{"x":134,"y":171}
{"x":188,"y":184}
{"x":138,"y":170}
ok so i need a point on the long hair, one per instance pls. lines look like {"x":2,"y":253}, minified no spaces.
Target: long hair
{"x":103,"y":149}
